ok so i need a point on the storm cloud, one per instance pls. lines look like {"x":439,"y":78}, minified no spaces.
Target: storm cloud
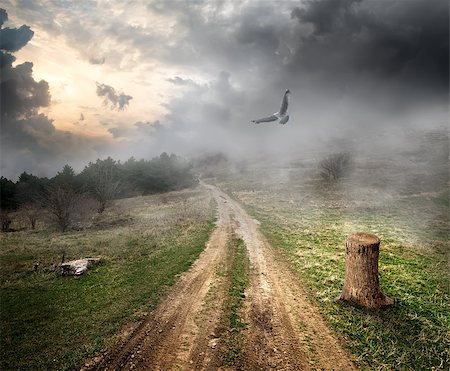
{"x":352,"y":66}
{"x":13,"y":39}
{"x":401,"y":44}
{"x":29,"y":139}
{"x":21,"y":95}
{"x":116,"y":100}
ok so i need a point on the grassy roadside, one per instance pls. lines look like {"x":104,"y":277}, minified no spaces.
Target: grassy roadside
{"x":412,"y":334}
{"x":54,"y":322}
{"x":238,"y":273}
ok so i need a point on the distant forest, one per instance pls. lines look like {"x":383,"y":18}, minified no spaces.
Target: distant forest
{"x":102,"y":180}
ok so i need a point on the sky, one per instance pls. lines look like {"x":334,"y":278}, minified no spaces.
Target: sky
{"x":87,"y":79}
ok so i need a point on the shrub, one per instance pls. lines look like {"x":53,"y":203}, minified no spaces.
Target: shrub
{"x":335,"y":166}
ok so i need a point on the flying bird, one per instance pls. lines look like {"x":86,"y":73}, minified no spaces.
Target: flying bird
{"x":281,"y":114}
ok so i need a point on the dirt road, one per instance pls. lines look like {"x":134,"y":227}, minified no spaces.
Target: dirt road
{"x":284,"y":332}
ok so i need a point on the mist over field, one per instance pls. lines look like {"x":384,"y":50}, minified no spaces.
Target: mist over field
{"x":368,"y":79}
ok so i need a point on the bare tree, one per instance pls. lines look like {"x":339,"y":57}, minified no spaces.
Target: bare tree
{"x":335,"y":166}
{"x":6,"y":220}
{"x":105,"y":192}
{"x":103,"y":181}
{"x":32,"y":212}
{"x":61,"y":203}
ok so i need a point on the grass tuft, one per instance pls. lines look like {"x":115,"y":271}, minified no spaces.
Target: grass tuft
{"x":239,"y":281}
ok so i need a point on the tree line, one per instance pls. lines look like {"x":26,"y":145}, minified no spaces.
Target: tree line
{"x":101,"y":181}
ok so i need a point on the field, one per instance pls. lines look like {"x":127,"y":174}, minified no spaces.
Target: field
{"x":54,"y":322}
{"x":308,"y":219}
{"x":241,"y":272}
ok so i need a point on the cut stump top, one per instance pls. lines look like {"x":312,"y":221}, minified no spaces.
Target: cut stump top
{"x":362,"y":238}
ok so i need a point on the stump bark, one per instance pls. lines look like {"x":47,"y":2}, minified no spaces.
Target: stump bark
{"x":361,"y":283}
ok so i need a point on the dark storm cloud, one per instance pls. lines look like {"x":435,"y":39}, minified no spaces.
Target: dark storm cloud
{"x":3,"y":16}
{"x":34,"y":144}
{"x":20,"y":93}
{"x":405,"y":43}
{"x":351,"y":65}
{"x":29,"y":140}
{"x":110,"y":96}
{"x":13,"y":39}
{"x":390,"y":54}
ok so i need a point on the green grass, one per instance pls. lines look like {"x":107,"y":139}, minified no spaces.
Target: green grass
{"x":412,"y":334}
{"x":238,"y":283}
{"x":54,"y":322}
{"x":402,"y":196}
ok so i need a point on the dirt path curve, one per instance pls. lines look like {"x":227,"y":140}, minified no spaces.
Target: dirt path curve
{"x":285,"y":331}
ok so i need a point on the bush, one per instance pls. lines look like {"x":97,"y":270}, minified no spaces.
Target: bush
{"x":5,"y":220}
{"x":32,"y":212}
{"x":335,"y":166}
{"x":61,"y":203}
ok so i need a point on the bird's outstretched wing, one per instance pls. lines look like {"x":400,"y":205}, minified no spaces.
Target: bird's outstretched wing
{"x":284,"y":103}
{"x":266,"y":119}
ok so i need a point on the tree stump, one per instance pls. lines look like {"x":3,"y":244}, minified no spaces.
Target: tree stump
{"x":361,"y":284}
